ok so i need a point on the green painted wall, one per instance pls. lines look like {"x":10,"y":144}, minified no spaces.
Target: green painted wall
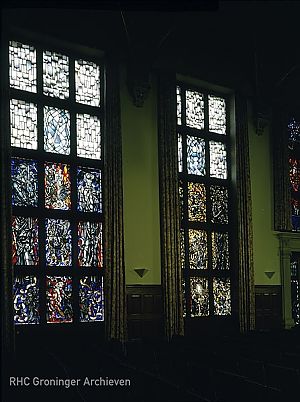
{"x":141,"y":187}
{"x":265,"y":244}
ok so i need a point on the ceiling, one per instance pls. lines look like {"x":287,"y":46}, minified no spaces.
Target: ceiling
{"x":246,"y":44}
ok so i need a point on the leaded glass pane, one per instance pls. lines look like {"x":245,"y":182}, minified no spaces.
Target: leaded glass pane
{"x":197,"y":202}
{"x":198,"y":249}
{"x":218,"y":160}
{"x":220,"y":250}
{"x":180,"y":164}
{"x":22,"y":66}
{"x":293,"y":132}
{"x":56,"y":130}
{"x":219,"y":204}
{"x":217,"y":114}
{"x":195,"y":155}
{"x":221,"y":292}
{"x":89,"y":190}
{"x":24,"y":182}
{"x":57,"y":186}
{"x":295,"y":214}
{"x":295,"y":173}
{"x":87,"y":82}
{"x":59,"y":303}
{"x":91,"y":299}
{"x":181,"y":202}
{"x":183,"y":297}
{"x":25,"y":243}
{"x":182,"y":249}
{"x":56,"y":74}
{"x":26,"y":300}
{"x":199,"y":297}
{"x":295,"y":290}
{"x":58,"y":242}
{"x":90,"y":244}
{"x":194,"y":109}
{"x":88,"y":136}
{"x":23,"y":124}
{"x":178,"y":95}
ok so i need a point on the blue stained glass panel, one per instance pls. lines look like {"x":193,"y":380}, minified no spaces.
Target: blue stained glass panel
{"x":26,"y":300}
{"x":89,"y":190}
{"x":58,"y":242}
{"x":56,"y":130}
{"x":24,"y":182}
{"x":195,"y":155}
{"x":59,"y":303}
{"x":91,"y":299}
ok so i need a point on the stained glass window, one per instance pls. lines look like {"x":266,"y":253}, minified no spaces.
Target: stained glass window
{"x":295,"y":287}
{"x":195,"y":155}
{"x":23,"y":124}
{"x":204,"y":197}
{"x":59,"y":303}
{"x":58,"y":242}
{"x":26,"y":300}
{"x":196,"y":202}
{"x":25,"y":245}
{"x":217,"y":114}
{"x":221,"y":291}
{"x":91,"y":299}
{"x":90,"y":244}
{"x":89,"y":190}
{"x":87,"y":79}
{"x":88,"y":136}
{"x":194,"y":109}
{"x":199,"y":297}
{"x":56,"y":130}
{"x":22,"y":66}
{"x":24,"y":182}
{"x":294,"y":171}
{"x":56,"y":74}
{"x":56,"y":112}
{"x":220,"y":250}
{"x":218,"y":160}
{"x":198,"y":249}
{"x":219,"y":204}
{"x":57,"y":186}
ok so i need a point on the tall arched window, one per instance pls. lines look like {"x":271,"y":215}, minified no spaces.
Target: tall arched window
{"x":56,"y":129}
{"x":205,"y":194}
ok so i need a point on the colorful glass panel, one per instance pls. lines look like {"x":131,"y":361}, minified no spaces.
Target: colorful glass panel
{"x":178,"y":95}
{"x":218,"y":160}
{"x":87,"y":82}
{"x":219,"y":204}
{"x":23,"y":124}
{"x":25,"y":243}
{"x":195,"y":155}
{"x":197,"y":202}
{"x":293,"y":132}
{"x":198,"y":249}
{"x":221,"y":294}
{"x":58,"y":242}
{"x":194,"y":109}
{"x":91,"y":299}
{"x":199,"y":297}
{"x":220,"y":250}
{"x":24,"y":182}
{"x":88,"y":136}
{"x":294,"y":173}
{"x":90,"y":244}
{"x":295,"y":213}
{"x":59,"y":303}
{"x":56,"y":74}
{"x":56,"y":130}
{"x":89,"y":190}
{"x":26,"y":300}
{"x":217,"y":114}
{"x":57,"y":186}
{"x":180,"y":160}
{"x":22,"y":66}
